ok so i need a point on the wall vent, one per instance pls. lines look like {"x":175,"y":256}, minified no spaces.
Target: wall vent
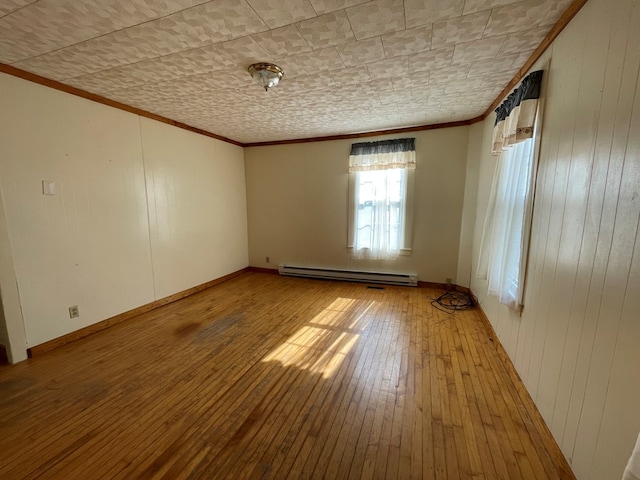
{"x":407,"y":279}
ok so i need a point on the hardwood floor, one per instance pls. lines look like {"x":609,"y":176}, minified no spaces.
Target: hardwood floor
{"x":271,"y":377}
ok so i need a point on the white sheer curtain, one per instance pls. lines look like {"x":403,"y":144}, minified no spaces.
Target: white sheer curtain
{"x":504,"y":243}
{"x":380,"y":206}
{"x":632,"y":472}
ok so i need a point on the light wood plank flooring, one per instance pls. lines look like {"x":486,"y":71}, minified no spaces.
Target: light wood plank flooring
{"x":271,"y":377}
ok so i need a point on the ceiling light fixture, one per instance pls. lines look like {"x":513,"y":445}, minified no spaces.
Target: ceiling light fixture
{"x":266,"y":74}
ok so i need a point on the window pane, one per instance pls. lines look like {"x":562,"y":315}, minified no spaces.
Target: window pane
{"x":380,"y":197}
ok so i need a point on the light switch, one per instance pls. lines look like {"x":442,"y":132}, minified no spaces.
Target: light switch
{"x":48,"y":187}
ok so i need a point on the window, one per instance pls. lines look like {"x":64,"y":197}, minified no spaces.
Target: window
{"x":379,"y":220}
{"x":507,"y":227}
{"x":380,"y":212}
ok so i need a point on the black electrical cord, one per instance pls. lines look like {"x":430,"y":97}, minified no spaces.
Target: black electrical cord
{"x":452,"y":301}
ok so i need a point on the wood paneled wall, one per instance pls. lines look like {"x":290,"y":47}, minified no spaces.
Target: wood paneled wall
{"x":577,"y":343}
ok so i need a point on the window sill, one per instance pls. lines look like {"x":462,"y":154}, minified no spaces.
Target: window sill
{"x":404,"y":252}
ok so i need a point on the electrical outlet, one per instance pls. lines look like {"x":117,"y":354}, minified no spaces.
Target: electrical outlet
{"x":267,"y":259}
{"x":448,"y":281}
{"x":73,"y":311}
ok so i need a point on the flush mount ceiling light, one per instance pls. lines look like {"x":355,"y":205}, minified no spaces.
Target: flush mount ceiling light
{"x":266,"y":74}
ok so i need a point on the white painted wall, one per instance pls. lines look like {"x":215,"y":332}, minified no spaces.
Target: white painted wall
{"x":468,"y":221}
{"x":89,"y":244}
{"x":197,"y":207}
{"x":576,"y":345}
{"x":297,"y":205}
{"x":92,"y":244}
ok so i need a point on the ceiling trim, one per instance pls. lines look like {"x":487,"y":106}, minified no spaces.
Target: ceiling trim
{"x":32,"y":77}
{"x":562,"y":22}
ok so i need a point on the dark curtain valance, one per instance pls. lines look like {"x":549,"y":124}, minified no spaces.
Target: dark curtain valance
{"x":383,"y":155}
{"x":529,"y":89}
{"x":384,"y":146}
{"x":515,"y":117}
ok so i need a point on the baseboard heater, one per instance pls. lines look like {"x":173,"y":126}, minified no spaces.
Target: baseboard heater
{"x":407,"y":279}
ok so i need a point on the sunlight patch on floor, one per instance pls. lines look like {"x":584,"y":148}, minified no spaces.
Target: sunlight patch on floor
{"x":321,"y":345}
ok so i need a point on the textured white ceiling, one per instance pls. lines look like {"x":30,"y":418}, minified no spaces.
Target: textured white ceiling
{"x":350,"y":65}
